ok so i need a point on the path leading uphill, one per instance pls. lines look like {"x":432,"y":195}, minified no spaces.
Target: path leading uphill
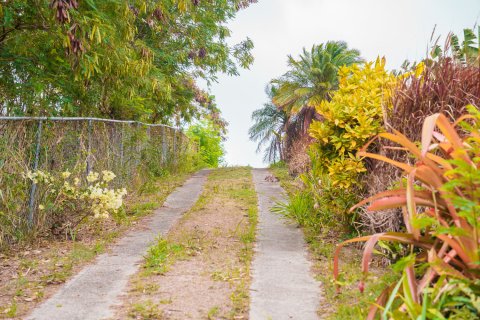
{"x":93,"y":291}
{"x":211,"y":279}
{"x":283,"y":286}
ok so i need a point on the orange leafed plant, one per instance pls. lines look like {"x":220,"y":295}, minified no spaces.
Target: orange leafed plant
{"x":441,"y":210}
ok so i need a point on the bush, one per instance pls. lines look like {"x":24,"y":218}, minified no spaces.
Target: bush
{"x":442,"y":85}
{"x":66,"y":194}
{"x":331,"y":203}
{"x":317,"y":204}
{"x":441,"y":206}
{"x":353,"y":116}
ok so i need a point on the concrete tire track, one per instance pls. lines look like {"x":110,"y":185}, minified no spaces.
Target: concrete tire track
{"x":283,"y":286}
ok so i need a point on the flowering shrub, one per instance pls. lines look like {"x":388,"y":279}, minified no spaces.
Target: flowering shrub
{"x":65,"y":193}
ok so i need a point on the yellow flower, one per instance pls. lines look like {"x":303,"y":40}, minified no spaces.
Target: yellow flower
{"x":41,"y":207}
{"x":92,"y":176}
{"x":108,"y":176}
{"x":66,"y":174}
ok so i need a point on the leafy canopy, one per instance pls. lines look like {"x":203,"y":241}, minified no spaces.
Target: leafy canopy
{"x":133,"y":59}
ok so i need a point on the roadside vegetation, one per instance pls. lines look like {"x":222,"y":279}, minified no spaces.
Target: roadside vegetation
{"x":68,"y":189}
{"x":32,"y":271}
{"x":212,"y":247}
{"x":113,"y":60}
{"x":82,"y":216}
{"x":389,"y":159}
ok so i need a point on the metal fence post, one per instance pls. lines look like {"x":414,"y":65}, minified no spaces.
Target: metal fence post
{"x":121,"y":146}
{"x":89,"y":147}
{"x":147,"y":141}
{"x":35,"y":167}
{"x":174,"y":146}
{"x":181,"y":151}
{"x":138,"y":147}
{"x":164,"y":146}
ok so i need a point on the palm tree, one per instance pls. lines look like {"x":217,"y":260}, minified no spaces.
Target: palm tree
{"x":312,"y":78}
{"x":268,"y":129}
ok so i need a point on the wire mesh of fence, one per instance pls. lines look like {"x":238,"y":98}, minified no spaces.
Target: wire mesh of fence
{"x":132,"y":150}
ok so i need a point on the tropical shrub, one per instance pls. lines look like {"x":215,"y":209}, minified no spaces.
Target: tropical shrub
{"x":317,"y":204}
{"x":354,"y":115}
{"x":330,"y":203}
{"x":444,"y":85}
{"x":441,"y":205}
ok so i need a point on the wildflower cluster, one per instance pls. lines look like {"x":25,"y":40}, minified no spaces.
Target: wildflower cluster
{"x":95,"y":197}
{"x":40,"y":177}
{"x":104,"y":200}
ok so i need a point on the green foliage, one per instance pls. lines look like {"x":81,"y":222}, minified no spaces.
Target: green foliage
{"x":310,"y":79}
{"x":146,"y":310}
{"x":331,"y":204}
{"x":466,"y":51}
{"x":353,"y":116}
{"x":120,"y":59}
{"x":161,"y":255}
{"x":441,"y":205}
{"x":299,"y":208}
{"x":283,"y":122}
{"x":317,"y":205}
{"x":208,"y":137}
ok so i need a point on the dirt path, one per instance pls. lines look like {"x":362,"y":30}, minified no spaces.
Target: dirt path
{"x":283,"y":286}
{"x":201,"y":270}
{"x":91,"y":293}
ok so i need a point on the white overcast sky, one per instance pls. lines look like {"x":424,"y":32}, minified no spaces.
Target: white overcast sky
{"x":396,"y":29}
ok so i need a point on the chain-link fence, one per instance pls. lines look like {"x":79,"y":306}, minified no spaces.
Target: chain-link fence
{"x":132,"y":150}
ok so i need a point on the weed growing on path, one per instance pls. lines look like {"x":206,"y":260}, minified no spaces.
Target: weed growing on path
{"x":162,"y":255}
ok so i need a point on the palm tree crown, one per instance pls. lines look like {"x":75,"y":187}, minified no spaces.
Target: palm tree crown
{"x":268,"y":129}
{"x":313,"y":76}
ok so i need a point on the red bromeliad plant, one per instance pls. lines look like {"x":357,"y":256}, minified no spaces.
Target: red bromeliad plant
{"x":441,"y":209}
